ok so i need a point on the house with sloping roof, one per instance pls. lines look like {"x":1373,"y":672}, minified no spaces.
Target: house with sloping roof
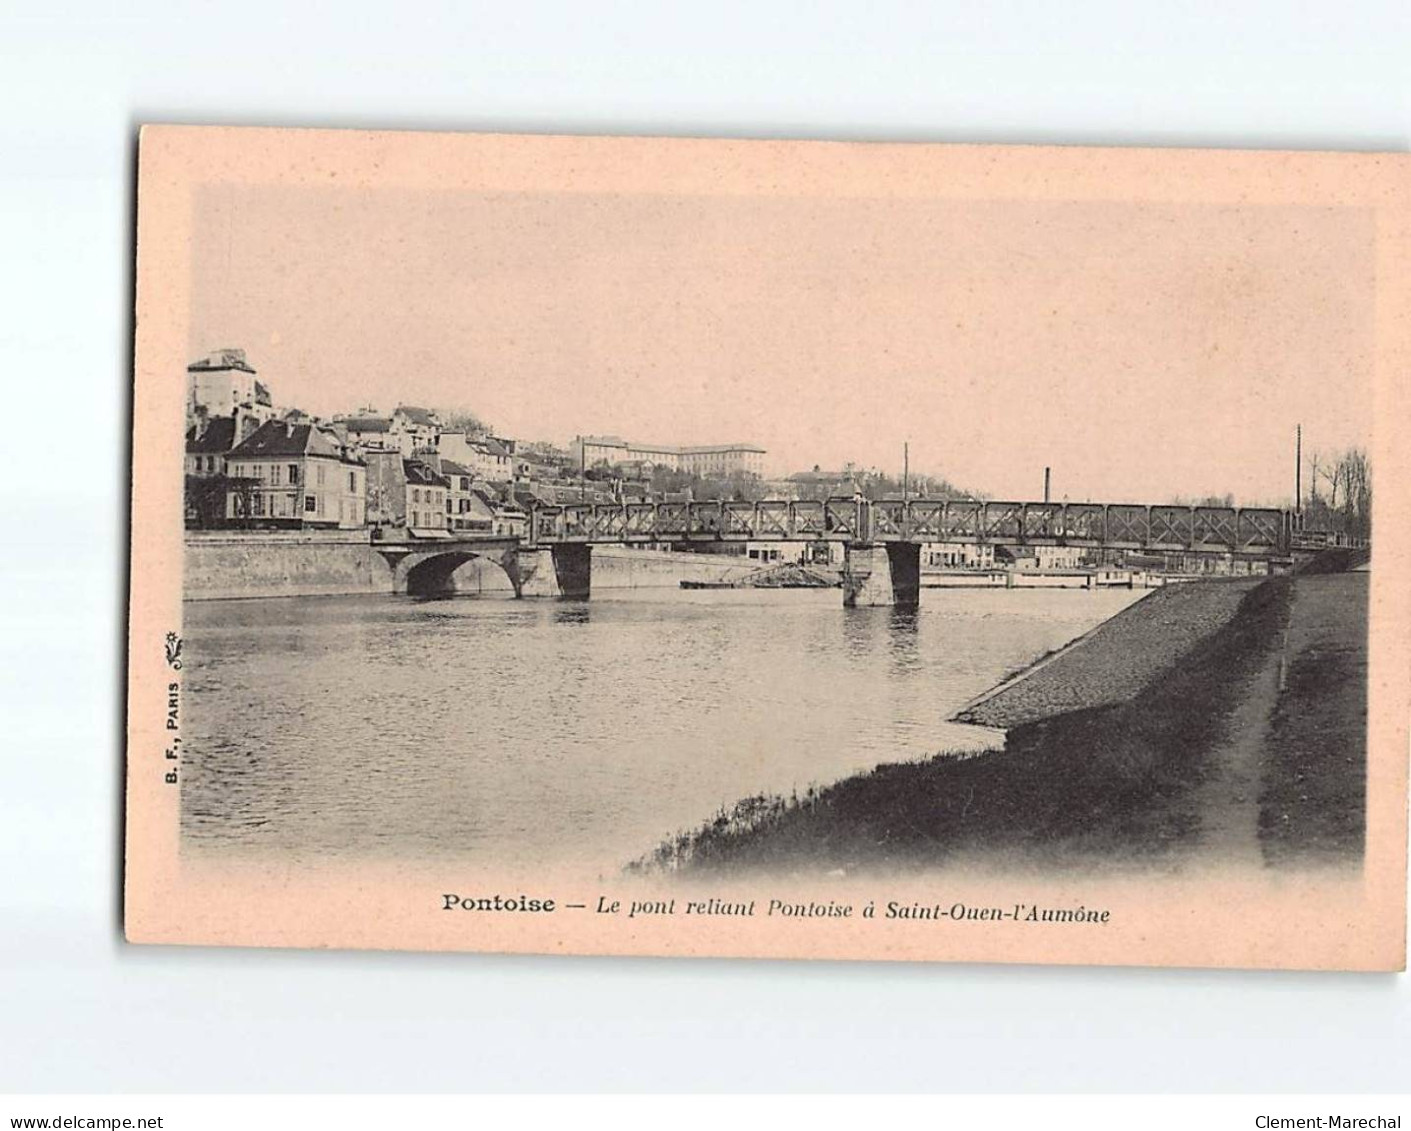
{"x":426,"y":499}
{"x":416,"y":428}
{"x":372,"y":433}
{"x":295,"y":475}
{"x":463,"y":511}
{"x":487,"y":457}
{"x":208,"y":442}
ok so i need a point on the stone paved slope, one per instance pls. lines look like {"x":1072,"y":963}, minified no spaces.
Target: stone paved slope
{"x":1112,"y":663}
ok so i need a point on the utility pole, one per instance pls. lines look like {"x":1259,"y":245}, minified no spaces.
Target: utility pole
{"x":1298,"y":472}
{"x":905,"y":469}
{"x":1046,"y":483}
{"x":582,"y":471}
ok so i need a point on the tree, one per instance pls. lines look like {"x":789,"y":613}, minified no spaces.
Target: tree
{"x":462,"y":420}
{"x":1347,"y":509}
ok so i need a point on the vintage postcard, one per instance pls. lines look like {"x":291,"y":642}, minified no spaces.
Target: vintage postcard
{"x":788,"y":549}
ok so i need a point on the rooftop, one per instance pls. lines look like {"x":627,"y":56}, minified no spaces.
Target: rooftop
{"x":286,"y":438}
{"x":415,"y":414}
{"x":219,"y":437}
{"x":423,"y":474}
{"x":673,"y":449}
{"x":491,"y":446}
{"x":221,"y":359}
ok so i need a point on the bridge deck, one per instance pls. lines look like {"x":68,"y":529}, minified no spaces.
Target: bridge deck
{"x":1258,"y":531}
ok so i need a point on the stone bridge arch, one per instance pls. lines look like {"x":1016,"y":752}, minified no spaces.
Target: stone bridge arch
{"x":428,"y":573}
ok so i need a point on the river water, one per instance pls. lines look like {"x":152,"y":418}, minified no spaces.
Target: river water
{"x":530,"y":732}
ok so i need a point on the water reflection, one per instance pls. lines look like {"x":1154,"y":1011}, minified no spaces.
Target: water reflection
{"x":903,"y":625}
{"x":860,"y":628}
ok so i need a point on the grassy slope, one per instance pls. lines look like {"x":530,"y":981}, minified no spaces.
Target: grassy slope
{"x":1111,"y":780}
{"x":1313,"y":805}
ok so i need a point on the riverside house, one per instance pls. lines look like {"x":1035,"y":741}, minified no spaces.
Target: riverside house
{"x":465,"y":511}
{"x":295,"y":475}
{"x":426,"y":495}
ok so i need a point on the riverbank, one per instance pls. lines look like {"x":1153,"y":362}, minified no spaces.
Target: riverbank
{"x":1211,"y":749}
{"x":1117,"y":659}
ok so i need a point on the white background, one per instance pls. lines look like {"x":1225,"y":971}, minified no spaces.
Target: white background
{"x":79,"y":1010}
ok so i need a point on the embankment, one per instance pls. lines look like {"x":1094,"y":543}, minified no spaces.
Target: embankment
{"x":1117,"y":659}
{"x":222,"y":565}
{"x":1117,"y":781}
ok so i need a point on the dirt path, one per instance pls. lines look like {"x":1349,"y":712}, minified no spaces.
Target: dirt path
{"x":1287,"y":781}
{"x":1228,"y":801}
{"x":1315,"y":758}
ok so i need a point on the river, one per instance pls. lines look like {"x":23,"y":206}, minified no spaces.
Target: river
{"x":492,"y":731}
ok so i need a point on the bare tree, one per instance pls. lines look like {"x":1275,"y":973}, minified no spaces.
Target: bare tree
{"x":1347,"y":508}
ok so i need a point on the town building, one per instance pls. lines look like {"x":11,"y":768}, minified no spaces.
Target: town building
{"x":425,"y":495}
{"x":372,"y":433}
{"x":209,"y":441}
{"x":465,"y":509}
{"x":295,"y":475}
{"x":417,"y":428}
{"x":957,"y":555}
{"x":406,"y":493}
{"x":817,"y":484}
{"x":223,"y":383}
{"x":206,"y":480}
{"x":1042,"y":558}
{"x":486,"y":457}
{"x":529,"y":467}
{"x":700,"y":459}
{"x":510,"y":522}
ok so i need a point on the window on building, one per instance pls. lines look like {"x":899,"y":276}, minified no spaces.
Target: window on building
{"x":293,"y":473}
{"x":352,"y":483}
{"x":310,"y":504}
{"x":320,"y":474}
{"x":259,"y":504}
{"x":274,"y":474}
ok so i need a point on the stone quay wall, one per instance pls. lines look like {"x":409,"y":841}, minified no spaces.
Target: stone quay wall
{"x":226,"y":564}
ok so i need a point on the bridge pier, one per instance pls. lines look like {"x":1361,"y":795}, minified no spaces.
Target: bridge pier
{"x":882,"y":575}
{"x":559,"y":571}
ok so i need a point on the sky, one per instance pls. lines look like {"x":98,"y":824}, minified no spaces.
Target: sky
{"x":1143,"y":351}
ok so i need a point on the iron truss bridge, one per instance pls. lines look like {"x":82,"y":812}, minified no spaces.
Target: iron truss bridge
{"x":1259,"y":531}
